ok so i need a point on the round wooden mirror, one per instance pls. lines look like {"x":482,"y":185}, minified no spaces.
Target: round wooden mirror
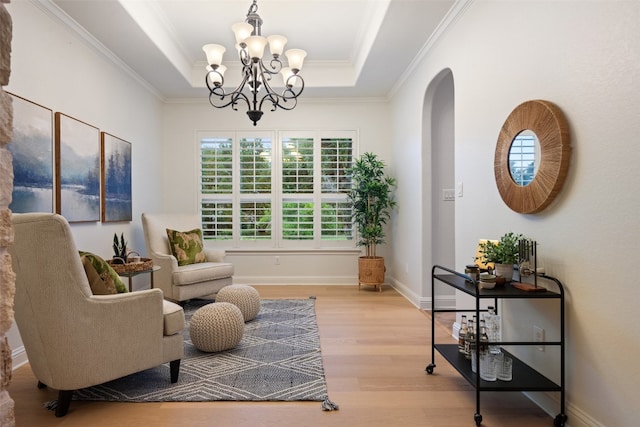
{"x":544,"y":121}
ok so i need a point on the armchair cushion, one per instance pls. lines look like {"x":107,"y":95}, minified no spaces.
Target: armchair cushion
{"x":173,"y":318}
{"x":103,"y":279}
{"x":186,"y":246}
{"x":200,"y":272}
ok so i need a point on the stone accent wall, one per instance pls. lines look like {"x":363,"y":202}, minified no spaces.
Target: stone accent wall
{"x":7,"y":277}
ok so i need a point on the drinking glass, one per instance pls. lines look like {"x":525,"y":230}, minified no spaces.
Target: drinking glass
{"x":488,"y":367}
{"x":505,"y":369}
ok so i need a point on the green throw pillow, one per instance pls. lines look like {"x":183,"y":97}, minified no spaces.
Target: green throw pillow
{"x":102,"y":278}
{"x":187,"y":246}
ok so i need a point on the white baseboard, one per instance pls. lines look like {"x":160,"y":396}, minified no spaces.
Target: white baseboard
{"x":446,"y":302}
{"x":18,"y":357}
{"x":455,"y":330}
{"x":296,"y":280}
{"x":550,"y":403}
{"x":423,"y":303}
{"x":406,"y":292}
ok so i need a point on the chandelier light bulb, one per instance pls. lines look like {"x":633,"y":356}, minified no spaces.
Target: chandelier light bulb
{"x":214,"y":54}
{"x":295,"y":58}
{"x":276,"y":45}
{"x":255,"y":85}
{"x":242,"y":30}
{"x":286,"y":73}
{"x":215,"y":76}
{"x":255,"y":46}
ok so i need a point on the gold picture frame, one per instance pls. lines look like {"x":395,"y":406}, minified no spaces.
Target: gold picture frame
{"x":31,"y":148}
{"x":115,"y":161}
{"x":77,"y":154}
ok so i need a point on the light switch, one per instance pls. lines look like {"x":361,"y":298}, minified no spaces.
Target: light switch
{"x":448,"y":195}
{"x":459,"y":189}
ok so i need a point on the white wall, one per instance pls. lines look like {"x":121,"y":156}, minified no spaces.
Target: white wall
{"x":55,"y":68}
{"x":180,"y":148}
{"x":585,"y":57}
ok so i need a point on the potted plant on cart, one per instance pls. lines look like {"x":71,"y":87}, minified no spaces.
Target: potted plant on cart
{"x":371,"y":199}
{"x":503,"y":254}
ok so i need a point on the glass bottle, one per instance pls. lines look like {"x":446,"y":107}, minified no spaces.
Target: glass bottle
{"x":462,"y":333}
{"x":489,"y":314}
{"x":484,"y":338}
{"x":470,"y":340}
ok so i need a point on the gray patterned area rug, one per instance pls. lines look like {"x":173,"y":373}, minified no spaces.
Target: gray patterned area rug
{"x":278,"y":359}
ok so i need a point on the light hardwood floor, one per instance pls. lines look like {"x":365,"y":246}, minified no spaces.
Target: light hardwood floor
{"x":375,"y":348}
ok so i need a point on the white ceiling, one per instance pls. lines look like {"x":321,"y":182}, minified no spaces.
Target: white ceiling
{"x":355,"y":48}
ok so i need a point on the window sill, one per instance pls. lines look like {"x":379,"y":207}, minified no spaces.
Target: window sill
{"x":291,"y":251}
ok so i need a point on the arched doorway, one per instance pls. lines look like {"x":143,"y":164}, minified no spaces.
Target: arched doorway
{"x":438,"y":166}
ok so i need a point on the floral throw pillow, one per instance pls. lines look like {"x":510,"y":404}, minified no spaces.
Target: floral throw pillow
{"x":102,"y":278}
{"x":187,"y":246}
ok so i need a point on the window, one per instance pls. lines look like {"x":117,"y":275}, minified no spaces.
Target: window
{"x":522,"y":158}
{"x":216,"y":187}
{"x":277,"y":189}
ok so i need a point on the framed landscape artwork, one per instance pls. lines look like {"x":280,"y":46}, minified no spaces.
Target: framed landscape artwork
{"x":77,"y":147}
{"x":116,"y":178}
{"x":32,"y":151}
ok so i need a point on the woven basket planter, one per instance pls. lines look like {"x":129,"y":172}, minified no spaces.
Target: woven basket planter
{"x":371,"y":271}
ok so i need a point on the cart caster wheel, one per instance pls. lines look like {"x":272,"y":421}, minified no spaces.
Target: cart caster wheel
{"x":478,"y":419}
{"x":559,"y":420}
{"x":430,"y":368}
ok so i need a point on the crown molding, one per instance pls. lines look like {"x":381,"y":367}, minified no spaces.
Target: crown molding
{"x":456,"y":11}
{"x":57,"y":14}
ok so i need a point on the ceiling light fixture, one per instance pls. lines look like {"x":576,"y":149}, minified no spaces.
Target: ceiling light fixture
{"x":256,"y":75}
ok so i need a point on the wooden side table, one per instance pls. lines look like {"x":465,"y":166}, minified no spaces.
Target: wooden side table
{"x":130,"y":274}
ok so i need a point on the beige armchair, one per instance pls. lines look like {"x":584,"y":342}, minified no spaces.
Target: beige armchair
{"x":75,"y":339}
{"x":181,"y":283}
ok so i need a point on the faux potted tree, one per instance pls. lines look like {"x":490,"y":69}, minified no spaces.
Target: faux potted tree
{"x":371,"y":199}
{"x":503,"y":254}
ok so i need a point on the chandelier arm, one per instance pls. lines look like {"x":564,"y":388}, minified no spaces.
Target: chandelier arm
{"x":279,"y":100}
{"x":217,"y":88}
{"x":245,"y":59}
{"x":275,"y":64}
{"x":245,"y":78}
{"x":291,"y":87}
{"x":273,"y":98}
{"x":232,"y":97}
{"x":288,"y":94}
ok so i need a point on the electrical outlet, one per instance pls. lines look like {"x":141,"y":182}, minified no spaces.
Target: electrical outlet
{"x":277,"y":261}
{"x":538,"y":336}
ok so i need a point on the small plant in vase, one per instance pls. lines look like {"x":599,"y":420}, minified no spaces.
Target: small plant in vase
{"x":119,"y":248}
{"x":503,"y":254}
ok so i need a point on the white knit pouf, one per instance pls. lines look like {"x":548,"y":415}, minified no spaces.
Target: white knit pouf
{"x":245,"y":297}
{"x":217,"y":326}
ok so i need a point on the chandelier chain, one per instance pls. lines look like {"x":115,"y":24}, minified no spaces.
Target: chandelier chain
{"x":253,"y":8}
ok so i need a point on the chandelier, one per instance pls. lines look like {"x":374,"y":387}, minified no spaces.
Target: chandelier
{"x":255,"y":87}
